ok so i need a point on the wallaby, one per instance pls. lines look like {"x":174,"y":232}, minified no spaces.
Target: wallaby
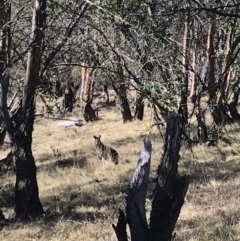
{"x":105,"y":152}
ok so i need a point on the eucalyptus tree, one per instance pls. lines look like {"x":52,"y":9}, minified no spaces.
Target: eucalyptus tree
{"x":41,"y":55}
{"x":27,"y":203}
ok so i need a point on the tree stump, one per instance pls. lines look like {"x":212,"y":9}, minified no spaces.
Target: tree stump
{"x":168,"y":196}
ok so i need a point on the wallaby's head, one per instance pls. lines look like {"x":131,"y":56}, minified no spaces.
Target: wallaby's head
{"x":97,"y":139}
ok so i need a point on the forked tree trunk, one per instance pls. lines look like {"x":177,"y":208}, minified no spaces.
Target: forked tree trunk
{"x":27,"y":203}
{"x":139,"y":106}
{"x":218,"y":111}
{"x":219,"y":108}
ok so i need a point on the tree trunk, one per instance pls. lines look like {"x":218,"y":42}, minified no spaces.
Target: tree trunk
{"x":183,"y":109}
{"x":157,"y":120}
{"x":2,"y":218}
{"x":68,"y":99}
{"x":193,"y":79}
{"x":218,"y":110}
{"x":212,"y":87}
{"x":202,"y":128}
{"x":171,"y":188}
{"x":233,"y":104}
{"x":124,"y":105}
{"x":139,"y":107}
{"x":27,"y":203}
{"x":3,"y":131}
{"x":105,"y":90}
{"x":169,"y":194}
{"x":87,"y":95}
{"x":182,"y":106}
{"x":135,"y":210}
{"x":121,"y":91}
{"x":89,"y":113}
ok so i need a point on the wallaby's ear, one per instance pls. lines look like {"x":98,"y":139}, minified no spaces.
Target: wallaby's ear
{"x":95,"y":137}
{"x":99,"y":137}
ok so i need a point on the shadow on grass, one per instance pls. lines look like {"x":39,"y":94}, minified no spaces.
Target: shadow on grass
{"x":74,"y":204}
{"x":63,"y":163}
{"x":98,"y":203}
{"x":212,"y":170}
{"x":129,"y":140}
{"x":122,"y":142}
{"x":62,"y":160}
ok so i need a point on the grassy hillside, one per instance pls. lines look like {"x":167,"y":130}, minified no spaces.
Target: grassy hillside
{"x":82,"y":196}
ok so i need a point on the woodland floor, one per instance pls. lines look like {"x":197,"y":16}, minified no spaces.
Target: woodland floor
{"x":82,"y":197}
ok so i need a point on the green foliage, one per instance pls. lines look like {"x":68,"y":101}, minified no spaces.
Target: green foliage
{"x":164,"y":92}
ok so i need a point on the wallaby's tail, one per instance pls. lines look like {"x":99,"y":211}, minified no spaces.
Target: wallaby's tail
{"x":115,"y":157}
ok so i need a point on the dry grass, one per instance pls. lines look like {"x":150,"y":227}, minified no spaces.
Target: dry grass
{"x":82,"y":197}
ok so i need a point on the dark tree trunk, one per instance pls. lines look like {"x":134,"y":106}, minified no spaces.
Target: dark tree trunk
{"x":89,"y":113}
{"x":202,"y":128}
{"x":219,"y":113}
{"x":124,"y":105}
{"x":171,"y":188}
{"x":157,"y":120}
{"x":2,"y":218}
{"x":121,"y":91}
{"x":58,"y":89}
{"x":183,"y":102}
{"x":68,"y":99}
{"x":121,"y":228}
{"x":27,"y":203}
{"x":105,"y":90}
{"x":201,"y":122}
{"x":3,"y":131}
{"x":169,"y":194}
{"x":135,"y":210}
{"x":139,"y":107}
{"x":233,"y":104}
